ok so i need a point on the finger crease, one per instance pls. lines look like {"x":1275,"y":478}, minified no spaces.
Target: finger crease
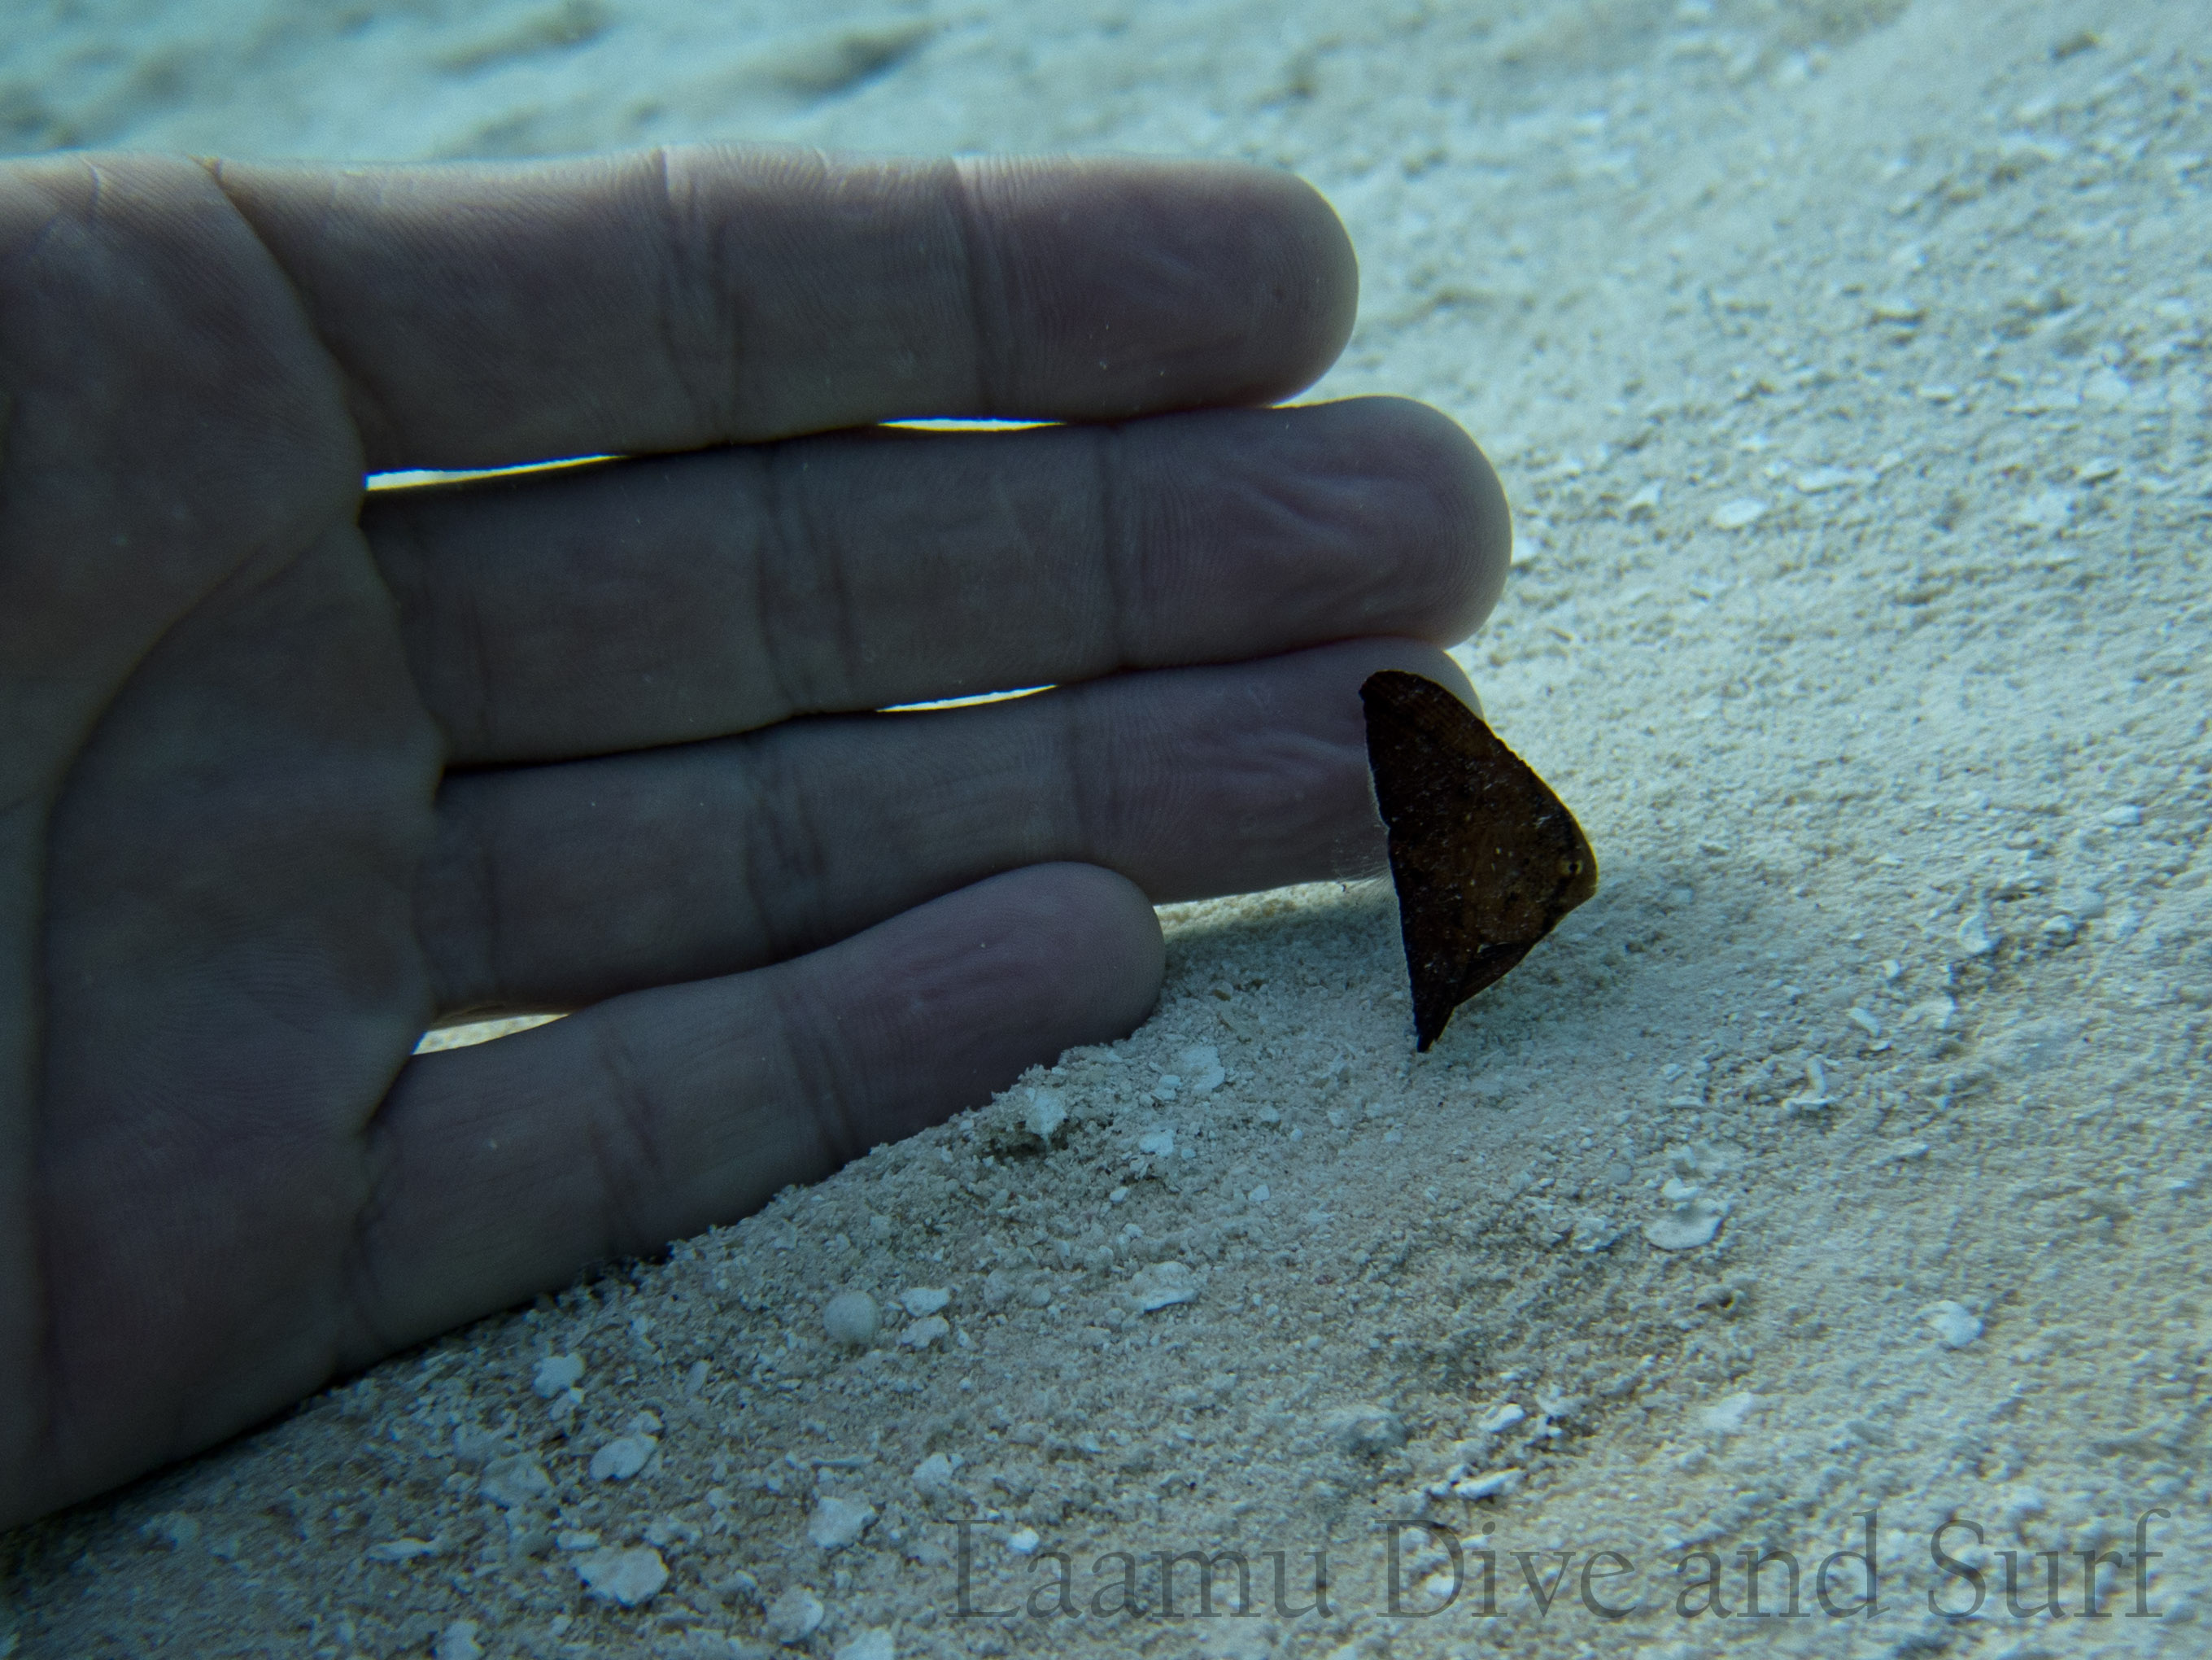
{"x":625,"y":1149}
{"x":810,"y":1057}
{"x":977,"y":255}
{"x":786,"y":853}
{"x":787,"y":547}
{"x":711,"y":405}
{"x":1121,"y":563}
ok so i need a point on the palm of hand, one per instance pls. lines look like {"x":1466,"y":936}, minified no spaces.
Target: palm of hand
{"x":286,"y":781}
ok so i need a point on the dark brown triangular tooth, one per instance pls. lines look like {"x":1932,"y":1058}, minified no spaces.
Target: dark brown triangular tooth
{"x":1484,"y":858}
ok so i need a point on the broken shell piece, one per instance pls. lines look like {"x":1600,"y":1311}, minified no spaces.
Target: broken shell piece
{"x":1163,"y":1285}
{"x":515,"y":1483}
{"x":627,"y":1577}
{"x":556,"y":1374}
{"x":794,"y":1616}
{"x":623,"y":1457}
{"x":1691,"y":1219}
{"x":1498,"y":1420}
{"x":1047,"y":1111}
{"x":1814,"y":1096}
{"x":837,"y":1522}
{"x":932,"y":1476}
{"x":1954,"y":1325}
{"x":923,"y":1333}
{"x":1496,"y":1485}
{"x":1977,"y":938}
{"x":1202,"y":1072}
{"x":1726,"y":1415}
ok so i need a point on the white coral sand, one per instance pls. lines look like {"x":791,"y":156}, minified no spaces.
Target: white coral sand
{"x":1898,"y":973}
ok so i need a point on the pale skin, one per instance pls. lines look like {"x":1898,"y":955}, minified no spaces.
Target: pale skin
{"x":289,"y":774}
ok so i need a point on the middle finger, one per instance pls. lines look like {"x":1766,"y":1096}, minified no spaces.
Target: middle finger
{"x":551,"y":887}
{"x":666,"y":600}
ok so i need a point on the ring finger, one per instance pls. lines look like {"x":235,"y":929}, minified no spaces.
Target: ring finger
{"x":552,"y":887}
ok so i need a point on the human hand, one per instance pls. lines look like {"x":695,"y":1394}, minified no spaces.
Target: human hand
{"x":286,"y":778}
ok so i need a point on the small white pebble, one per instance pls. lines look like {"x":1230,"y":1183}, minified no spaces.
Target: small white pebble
{"x":837,"y":1522}
{"x":623,"y":1457}
{"x":1163,"y":1285}
{"x":1023,"y":1542}
{"x":556,"y":1373}
{"x":1739,"y":515}
{"x":517,"y":1481}
{"x":923,"y":1333}
{"x":1692,"y":1219}
{"x":2045,"y":510}
{"x":921,"y":1301}
{"x":932,"y":1476}
{"x":1954,"y":1325}
{"x":2085,"y":903}
{"x":794,"y":1616}
{"x":851,"y":1318}
{"x":1047,"y":1111}
{"x":2107,"y":389}
{"x":1157,"y":1144}
{"x":1496,"y":1485}
{"x":2121,"y":817}
{"x":1500,"y":1419}
{"x":459,"y":1642}
{"x":1939,"y":1012}
{"x":1726,"y":1415}
{"x":1202,"y":1070}
{"x":1816,"y":481}
{"x":869,"y":1643}
{"x":1259,"y":1195}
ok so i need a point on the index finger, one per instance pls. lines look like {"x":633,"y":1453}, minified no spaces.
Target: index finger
{"x":490,"y":315}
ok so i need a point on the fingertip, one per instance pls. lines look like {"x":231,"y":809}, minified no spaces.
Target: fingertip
{"x":942,"y":1007}
{"x":1131,"y":285}
{"x":1124,"y":962}
{"x":1065,"y":955}
{"x":1465,"y":540}
{"x":1314,"y":300}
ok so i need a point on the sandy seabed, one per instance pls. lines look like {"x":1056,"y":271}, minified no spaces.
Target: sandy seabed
{"x":1845,"y":362}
